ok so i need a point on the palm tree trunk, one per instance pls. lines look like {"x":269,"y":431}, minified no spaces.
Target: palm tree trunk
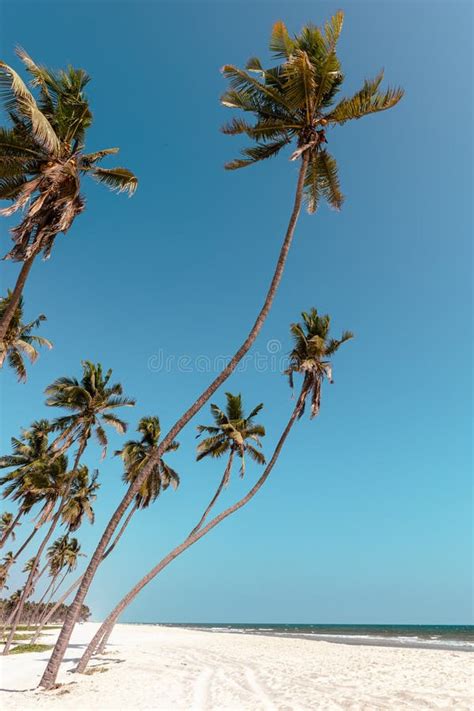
{"x":10,"y":528}
{"x":77,"y":582}
{"x":105,"y":629}
{"x":23,"y":546}
{"x":51,"y":585}
{"x":49,"y":676}
{"x":15,"y":297}
{"x":27,"y":589}
{"x":220,"y":488}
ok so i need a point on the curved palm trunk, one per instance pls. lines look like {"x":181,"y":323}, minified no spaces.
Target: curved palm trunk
{"x":222,"y":485}
{"x":10,"y":528}
{"x":103,"y":633}
{"x":29,"y":583}
{"x":15,"y":297}
{"x":49,"y":677}
{"x":77,"y":582}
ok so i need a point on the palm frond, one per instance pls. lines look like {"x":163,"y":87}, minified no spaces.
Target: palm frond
{"x":254,"y":154}
{"x":366,"y":101}
{"x":17,"y":98}
{"x":119,"y":179}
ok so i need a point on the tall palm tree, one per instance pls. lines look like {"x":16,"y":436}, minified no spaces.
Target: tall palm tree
{"x":43,"y":159}
{"x":314,"y":48}
{"x":100,"y":638}
{"x":232,"y":433}
{"x":91,"y":402}
{"x":18,"y":340}
{"x":311,"y":351}
{"x":295,"y":103}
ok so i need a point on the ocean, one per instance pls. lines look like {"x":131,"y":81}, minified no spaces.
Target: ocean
{"x":451,"y":637}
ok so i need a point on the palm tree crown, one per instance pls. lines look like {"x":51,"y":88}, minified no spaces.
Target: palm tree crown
{"x":63,"y":553}
{"x":294,"y":101}
{"x":310,"y":354}
{"x":79,"y":499}
{"x":232,"y":432}
{"x":135,"y":454}
{"x":42,"y":154}
{"x":18,"y":340}
{"x":91,"y":401}
{"x":29,"y":458}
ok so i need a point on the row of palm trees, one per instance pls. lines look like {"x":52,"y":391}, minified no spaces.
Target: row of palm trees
{"x":42,"y":160}
{"x":233,"y":433}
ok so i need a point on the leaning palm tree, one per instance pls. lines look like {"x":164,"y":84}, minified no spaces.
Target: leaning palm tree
{"x":232,"y":433}
{"x":91,"y":402}
{"x":42,"y":161}
{"x":62,"y":556}
{"x":311,"y":353}
{"x":100,"y":638}
{"x":283,"y":101}
{"x":18,"y":340}
{"x":318,"y":372}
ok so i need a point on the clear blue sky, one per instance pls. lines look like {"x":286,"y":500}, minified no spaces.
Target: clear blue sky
{"x":367,"y":516}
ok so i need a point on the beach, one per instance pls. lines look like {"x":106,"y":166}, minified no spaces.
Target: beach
{"x":168,"y":668}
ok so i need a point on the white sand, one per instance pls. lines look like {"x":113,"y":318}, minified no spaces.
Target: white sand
{"x":168,"y":668}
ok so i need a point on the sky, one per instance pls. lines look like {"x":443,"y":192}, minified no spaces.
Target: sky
{"x":367,"y":516}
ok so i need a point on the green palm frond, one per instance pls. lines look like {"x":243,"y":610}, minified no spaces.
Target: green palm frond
{"x":294,"y":102}
{"x":329,"y":179}
{"x":254,"y":154}
{"x":119,"y":179}
{"x":90,"y":159}
{"x":281,"y":43}
{"x":366,"y":101}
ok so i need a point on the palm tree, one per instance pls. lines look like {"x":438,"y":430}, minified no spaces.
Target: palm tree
{"x":8,"y":522}
{"x":62,"y":557}
{"x":30,"y":456}
{"x":136,"y":453}
{"x":295,"y":102}
{"x":43,"y":159}
{"x":311,"y":351}
{"x":79,"y":501}
{"x":100,"y":638}
{"x":268,"y":104}
{"x":18,"y":340}
{"x":5,"y":566}
{"x":91,"y":402}
{"x":232,"y":433}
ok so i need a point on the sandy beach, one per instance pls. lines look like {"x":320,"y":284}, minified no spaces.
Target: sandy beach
{"x":152,"y":667}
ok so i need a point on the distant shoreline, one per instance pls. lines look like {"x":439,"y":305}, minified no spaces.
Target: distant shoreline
{"x":398,"y":641}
